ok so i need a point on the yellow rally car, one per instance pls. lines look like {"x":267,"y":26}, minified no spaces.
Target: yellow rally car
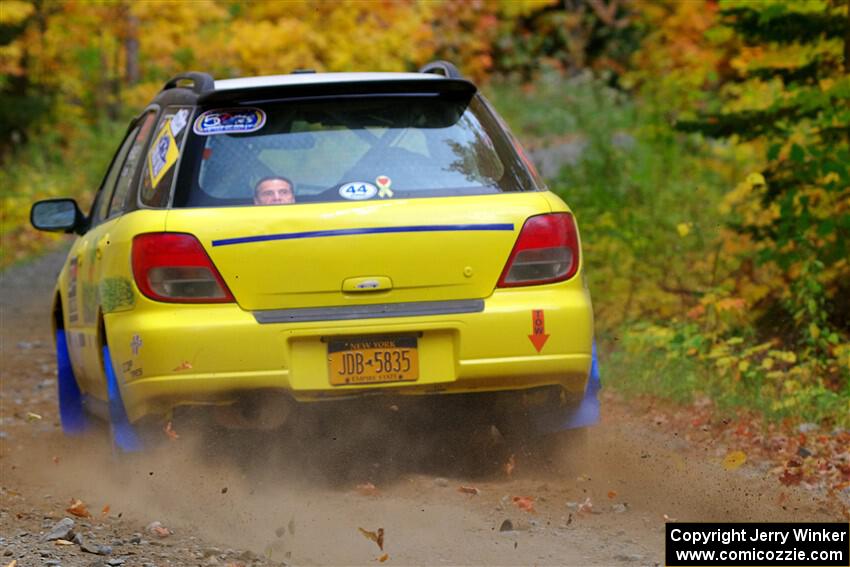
{"x":260,"y":243}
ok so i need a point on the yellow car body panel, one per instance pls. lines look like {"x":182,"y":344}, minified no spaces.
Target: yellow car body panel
{"x":97,"y":279}
{"x":301,"y":256}
{"x":170,"y":354}
{"x":213,"y":353}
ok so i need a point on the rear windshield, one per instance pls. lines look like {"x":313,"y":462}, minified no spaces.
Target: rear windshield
{"x":339,"y":149}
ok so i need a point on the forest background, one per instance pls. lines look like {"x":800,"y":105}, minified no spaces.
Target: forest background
{"x":707,"y":150}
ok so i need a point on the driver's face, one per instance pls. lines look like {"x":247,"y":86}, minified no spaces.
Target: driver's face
{"x":274,"y":192}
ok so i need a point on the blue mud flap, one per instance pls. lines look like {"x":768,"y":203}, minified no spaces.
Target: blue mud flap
{"x":123,"y":434}
{"x":584,"y":415}
{"x":71,"y":413}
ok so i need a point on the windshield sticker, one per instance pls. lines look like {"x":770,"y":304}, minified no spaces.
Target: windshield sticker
{"x":384,"y":183}
{"x":179,"y":121}
{"x":163,"y":154}
{"x":358,"y":191}
{"x":229,"y":121}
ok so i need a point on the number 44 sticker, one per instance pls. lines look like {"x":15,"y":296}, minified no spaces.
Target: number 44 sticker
{"x":358,"y":191}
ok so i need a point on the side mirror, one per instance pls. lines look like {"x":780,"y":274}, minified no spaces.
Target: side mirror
{"x":57,"y":215}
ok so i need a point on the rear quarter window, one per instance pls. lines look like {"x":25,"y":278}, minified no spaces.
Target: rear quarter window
{"x":163,"y":156}
{"x":127,"y":173}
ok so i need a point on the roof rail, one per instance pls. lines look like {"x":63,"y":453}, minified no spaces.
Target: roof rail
{"x":201,"y":82}
{"x":440,"y":67}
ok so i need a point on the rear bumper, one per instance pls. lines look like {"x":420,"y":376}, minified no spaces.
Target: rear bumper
{"x":171,"y":355}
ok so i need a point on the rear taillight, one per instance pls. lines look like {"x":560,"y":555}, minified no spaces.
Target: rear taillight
{"x":174,"y":267}
{"x":546,"y":251}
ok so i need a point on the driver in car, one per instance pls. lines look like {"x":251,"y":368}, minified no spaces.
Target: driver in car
{"x":274,"y":191}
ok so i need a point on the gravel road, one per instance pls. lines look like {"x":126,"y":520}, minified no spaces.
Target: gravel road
{"x":264,"y":501}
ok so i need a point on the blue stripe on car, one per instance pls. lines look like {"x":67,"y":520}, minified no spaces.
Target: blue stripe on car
{"x":356,"y":231}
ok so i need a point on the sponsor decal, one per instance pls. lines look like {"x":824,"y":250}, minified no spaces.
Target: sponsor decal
{"x":72,"y":290}
{"x":163,"y":154}
{"x":136,"y":344}
{"x":229,"y":121}
{"x":116,"y":294}
{"x":178,"y":122}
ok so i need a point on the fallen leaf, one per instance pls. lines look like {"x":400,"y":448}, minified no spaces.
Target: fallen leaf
{"x":383,"y":557}
{"x":55,"y":460}
{"x":669,"y":519}
{"x":734,"y":460}
{"x":366,"y":489}
{"x":377,"y":537}
{"x":169,"y":431}
{"x":63,"y":542}
{"x":105,"y":511}
{"x":509,"y":466}
{"x":792,"y":473}
{"x":612,"y":494}
{"x":12,"y":563}
{"x":468,"y":490}
{"x":77,"y":508}
{"x":791,"y":477}
{"x":31,"y":417}
{"x":586,"y":506}
{"x":525,"y":503}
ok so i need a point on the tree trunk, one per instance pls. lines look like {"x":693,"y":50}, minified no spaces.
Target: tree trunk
{"x":131,"y":49}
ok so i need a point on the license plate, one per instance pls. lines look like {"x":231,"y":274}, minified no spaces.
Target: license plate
{"x":372,"y":360}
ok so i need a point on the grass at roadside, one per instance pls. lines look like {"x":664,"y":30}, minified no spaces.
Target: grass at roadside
{"x":660,"y":259}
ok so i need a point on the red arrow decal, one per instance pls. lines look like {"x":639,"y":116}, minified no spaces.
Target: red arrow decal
{"x":538,"y":336}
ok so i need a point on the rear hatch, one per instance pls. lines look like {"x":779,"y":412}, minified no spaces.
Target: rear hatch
{"x":378,"y":191}
{"x":358,"y":253}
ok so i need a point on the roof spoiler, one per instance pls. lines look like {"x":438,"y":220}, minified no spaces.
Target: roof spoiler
{"x":201,"y":82}
{"x":444,"y":68}
{"x":382,"y":87}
